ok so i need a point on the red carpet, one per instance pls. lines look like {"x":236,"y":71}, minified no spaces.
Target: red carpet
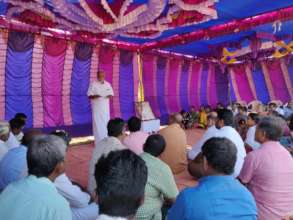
{"x":78,"y":158}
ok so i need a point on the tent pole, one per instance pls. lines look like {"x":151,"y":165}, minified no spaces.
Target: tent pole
{"x":140,"y":82}
{"x":229,"y":88}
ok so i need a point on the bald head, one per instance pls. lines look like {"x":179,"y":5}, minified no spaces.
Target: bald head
{"x":212,"y":118}
{"x":178,"y":118}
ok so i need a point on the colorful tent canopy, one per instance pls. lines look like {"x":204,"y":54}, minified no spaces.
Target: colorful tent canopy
{"x":159,"y":24}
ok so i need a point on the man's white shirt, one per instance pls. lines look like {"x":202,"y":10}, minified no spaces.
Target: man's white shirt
{"x":250,"y":138}
{"x":229,"y":133}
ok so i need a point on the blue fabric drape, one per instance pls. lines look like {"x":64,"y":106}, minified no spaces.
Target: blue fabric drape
{"x":203,"y":84}
{"x":161,"y":72}
{"x":18,"y":79}
{"x":184,"y":86}
{"x":222,"y":86}
{"x":126,"y":87}
{"x":79,"y":102}
{"x":232,"y":92}
{"x":260,"y":85}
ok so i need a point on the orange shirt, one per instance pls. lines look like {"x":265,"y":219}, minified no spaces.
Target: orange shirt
{"x":175,"y":151}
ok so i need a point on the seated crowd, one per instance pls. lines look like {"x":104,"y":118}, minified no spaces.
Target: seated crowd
{"x":241,"y":168}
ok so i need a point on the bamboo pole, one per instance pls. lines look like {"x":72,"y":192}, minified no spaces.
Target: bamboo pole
{"x":140,"y":83}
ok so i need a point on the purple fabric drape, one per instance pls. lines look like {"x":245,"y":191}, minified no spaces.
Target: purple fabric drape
{"x":232,"y":92}
{"x":290,"y":68}
{"x":212,"y":87}
{"x":126,"y":88}
{"x":203,"y":84}
{"x":194,"y":83}
{"x":160,"y":80}
{"x":52,"y":76}
{"x":83,"y":51}
{"x":18,"y":71}
{"x":260,"y":84}
{"x":20,"y":41}
{"x":221,"y":85}
{"x":172,"y":86}
{"x":183,"y":85}
{"x":79,"y":102}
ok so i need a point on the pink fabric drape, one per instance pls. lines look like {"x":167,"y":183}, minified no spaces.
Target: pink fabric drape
{"x":67,"y":83}
{"x":242,"y":83}
{"x":278,"y":82}
{"x":194,"y":84}
{"x":52,"y":76}
{"x":268,"y":81}
{"x":212,"y":91}
{"x":106,"y":58}
{"x":172,"y":85}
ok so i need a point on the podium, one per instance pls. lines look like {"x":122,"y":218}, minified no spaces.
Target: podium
{"x":150,"y":123}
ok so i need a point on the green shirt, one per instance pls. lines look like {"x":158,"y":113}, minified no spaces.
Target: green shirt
{"x":33,"y":198}
{"x":160,"y":185}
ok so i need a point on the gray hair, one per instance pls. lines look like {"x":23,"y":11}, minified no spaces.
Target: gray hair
{"x":272,"y":127}
{"x":45,"y":152}
{"x":4,"y":128}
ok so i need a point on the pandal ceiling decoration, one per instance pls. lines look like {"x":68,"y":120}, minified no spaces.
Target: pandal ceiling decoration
{"x":134,"y":18}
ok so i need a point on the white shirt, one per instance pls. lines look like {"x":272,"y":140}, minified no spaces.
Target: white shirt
{"x":19,"y":136}
{"x":231,"y":134}
{"x":280,"y":111}
{"x":12,"y":142}
{"x":107,"y":217}
{"x":250,"y":138}
{"x":288,"y":112}
{"x":100,"y":108}
{"x":72,"y":193}
{"x":102,"y":89}
{"x":3,"y":149}
{"x":104,"y":147}
{"x":196,"y":149}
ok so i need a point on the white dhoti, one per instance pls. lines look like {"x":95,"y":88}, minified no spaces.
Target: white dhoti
{"x":100,"y":108}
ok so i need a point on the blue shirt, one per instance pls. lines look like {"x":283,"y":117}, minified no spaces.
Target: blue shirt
{"x":13,"y":166}
{"x":216,"y":197}
{"x":33,"y":198}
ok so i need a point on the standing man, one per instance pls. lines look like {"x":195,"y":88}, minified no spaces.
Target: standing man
{"x":99,"y":92}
